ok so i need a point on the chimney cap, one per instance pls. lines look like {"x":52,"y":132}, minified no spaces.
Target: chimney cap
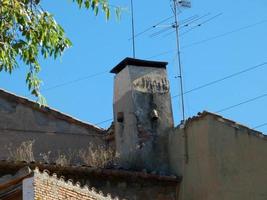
{"x":137,"y":62}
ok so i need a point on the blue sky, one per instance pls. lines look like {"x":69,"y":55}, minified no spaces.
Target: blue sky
{"x":98,"y":45}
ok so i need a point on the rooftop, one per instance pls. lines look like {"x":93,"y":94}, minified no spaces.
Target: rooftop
{"x":11,"y":185}
{"x":139,"y":63}
{"x":226,"y":121}
{"x":47,"y":110}
{"x":81,"y":172}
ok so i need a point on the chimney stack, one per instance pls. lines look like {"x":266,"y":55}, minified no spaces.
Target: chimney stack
{"x":142,"y":114}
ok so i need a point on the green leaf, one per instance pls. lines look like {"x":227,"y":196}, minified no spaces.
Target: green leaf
{"x":28,"y":32}
{"x":118,"y":12}
{"x":96,"y":10}
{"x":87,"y":4}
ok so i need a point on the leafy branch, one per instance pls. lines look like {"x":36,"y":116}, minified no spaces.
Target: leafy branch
{"x":28,"y":32}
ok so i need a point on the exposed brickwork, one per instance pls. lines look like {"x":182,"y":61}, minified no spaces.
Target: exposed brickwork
{"x":119,"y":183}
{"x":52,"y":188}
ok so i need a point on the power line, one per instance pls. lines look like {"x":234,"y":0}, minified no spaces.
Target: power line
{"x":160,"y":54}
{"x":219,"y":111}
{"x":241,"y":103}
{"x":74,"y":81}
{"x":224,"y":34}
{"x":194,"y":89}
{"x":170,"y":27}
{"x":222,"y":79}
{"x":104,"y":121}
{"x":259,"y":126}
{"x":208,"y":84}
{"x":211,"y":38}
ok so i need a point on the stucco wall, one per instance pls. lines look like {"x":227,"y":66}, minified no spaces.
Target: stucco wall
{"x":225,"y":161}
{"x":21,"y":122}
{"x":142,"y":94}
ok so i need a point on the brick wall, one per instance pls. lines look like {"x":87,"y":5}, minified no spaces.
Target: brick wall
{"x":52,"y":188}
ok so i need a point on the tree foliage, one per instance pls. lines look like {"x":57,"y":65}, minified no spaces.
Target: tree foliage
{"x":27,"y":32}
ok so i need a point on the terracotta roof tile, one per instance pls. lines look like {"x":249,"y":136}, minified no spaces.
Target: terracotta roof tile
{"x":9,"y":166}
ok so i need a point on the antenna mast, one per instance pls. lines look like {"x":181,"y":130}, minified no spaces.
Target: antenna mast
{"x":133,"y":34}
{"x":187,"y":4}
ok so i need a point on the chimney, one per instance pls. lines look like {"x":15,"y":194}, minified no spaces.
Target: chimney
{"x":142,"y":114}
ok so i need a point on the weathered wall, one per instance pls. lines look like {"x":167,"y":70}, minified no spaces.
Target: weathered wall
{"x":49,"y":129}
{"x":141,"y":138}
{"x":225,"y":160}
{"x":137,"y":188}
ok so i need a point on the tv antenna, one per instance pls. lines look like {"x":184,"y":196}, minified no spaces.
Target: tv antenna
{"x":183,"y":4}
{"x":194,"y":22}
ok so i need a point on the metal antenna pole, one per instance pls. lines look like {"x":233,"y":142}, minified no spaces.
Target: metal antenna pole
{"x":133,"y":34}
{"x":179,"y":58}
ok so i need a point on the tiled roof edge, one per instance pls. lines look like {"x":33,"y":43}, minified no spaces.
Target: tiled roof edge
{"x":9,"y":180}
{"x":47,"y":110}
{"x":88,"y":169}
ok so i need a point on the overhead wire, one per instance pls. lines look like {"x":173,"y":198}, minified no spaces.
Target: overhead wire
{"x":73,"y":81}
{"x":214,"y":82}
{"x":100,"y":73}
{"x":222,"y":79}
{"x":170,"y":27}
{"x":92,"y":75}
{"x":259,"y":126}
{"x":224,"y":34}
{"x":224,"y":109}
{"x":104,"y":121}
{"x":160,"y":54}
{"x":211,"y":38}
{"x":242,"y":103}
{"x":163,"y":53}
